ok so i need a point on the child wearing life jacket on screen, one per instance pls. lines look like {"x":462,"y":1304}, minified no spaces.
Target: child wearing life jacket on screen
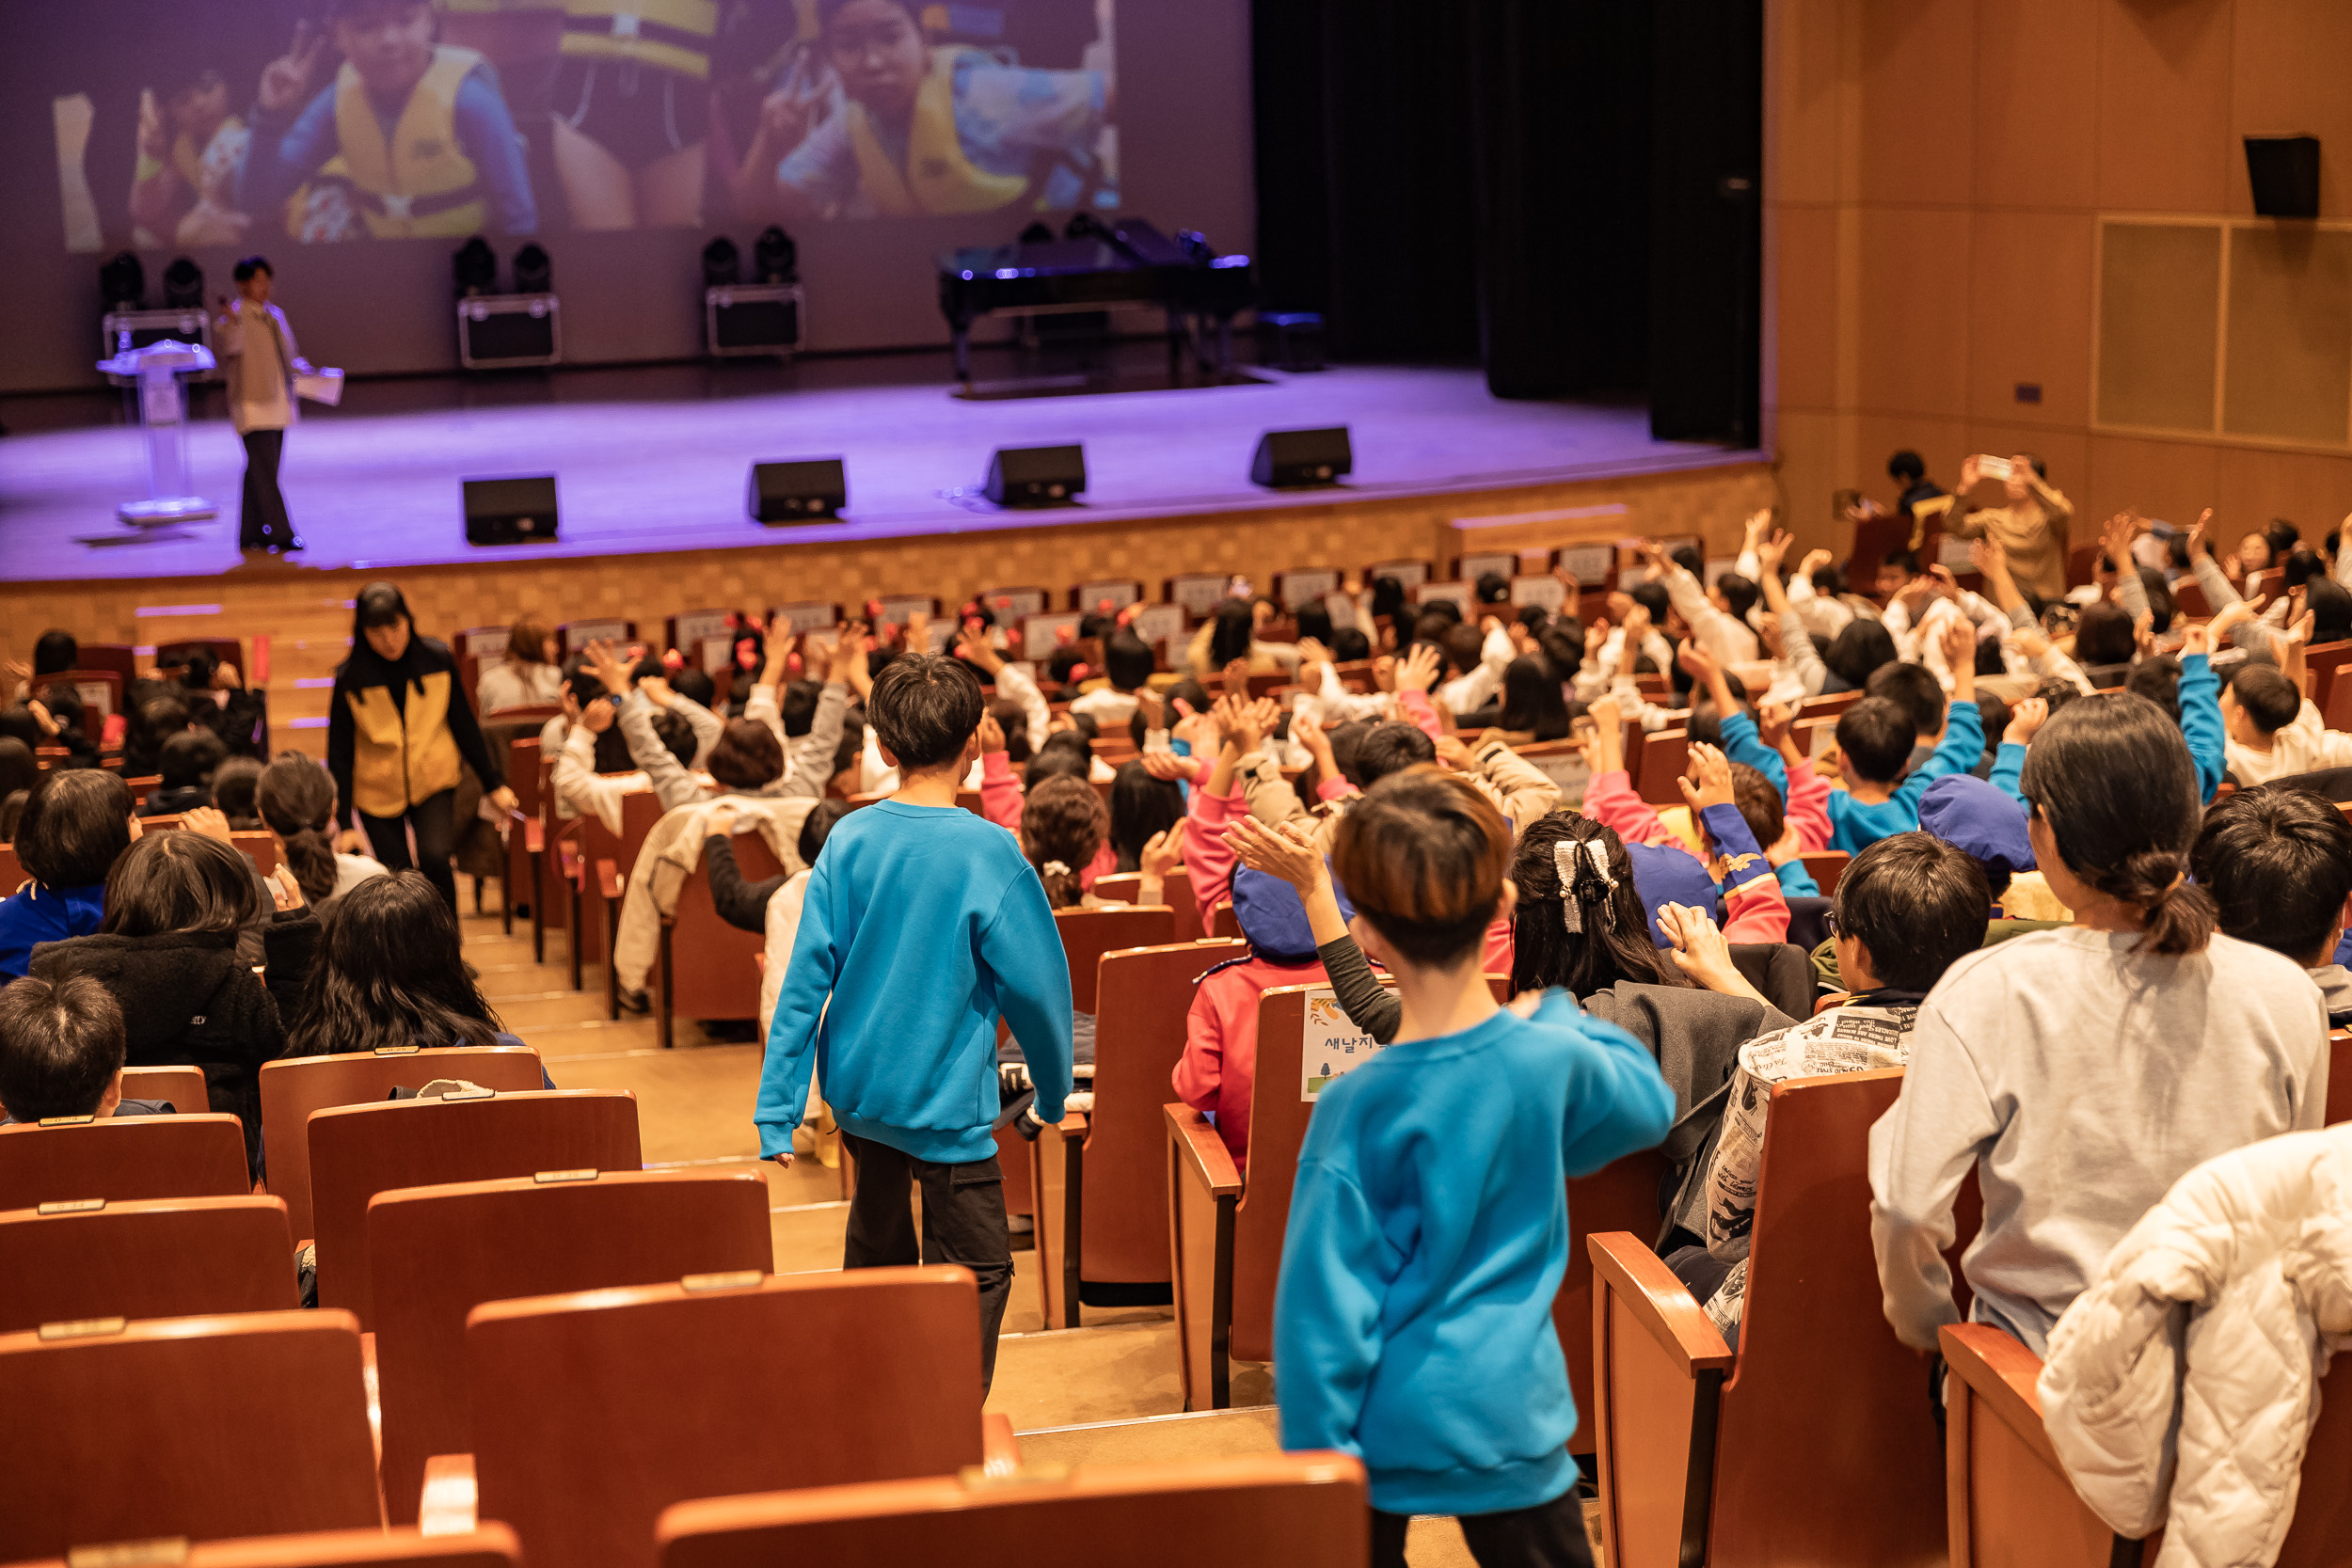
{"x":917,"y":129}
{"x":190,"y":149}
{"x":409,"y":138}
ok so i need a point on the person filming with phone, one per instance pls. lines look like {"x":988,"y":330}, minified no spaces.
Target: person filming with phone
{"x":2032,"y":528}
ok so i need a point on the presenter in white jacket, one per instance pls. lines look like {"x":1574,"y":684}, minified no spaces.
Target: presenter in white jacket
{"x":259,"y":362}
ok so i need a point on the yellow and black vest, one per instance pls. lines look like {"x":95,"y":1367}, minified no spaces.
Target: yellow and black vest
{"x":667,"y":35}
{"x":403,"y":756}
{"x":422,"y":183}
{"x":938,"y":177}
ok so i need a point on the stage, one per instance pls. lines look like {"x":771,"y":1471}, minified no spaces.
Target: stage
{"x":656,"y":459}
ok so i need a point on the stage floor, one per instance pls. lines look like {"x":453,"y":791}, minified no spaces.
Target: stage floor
{"x":654,"y":459}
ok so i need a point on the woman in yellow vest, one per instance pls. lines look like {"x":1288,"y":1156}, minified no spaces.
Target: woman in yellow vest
{"x":397,"y":726}
{"x":409,"y":139}
{"x":632,"y":102}
{"x":923,"y":130}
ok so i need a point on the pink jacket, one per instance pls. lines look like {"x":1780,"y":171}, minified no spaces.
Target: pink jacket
{"x":1808,"y":807}
{"x":1753,"y":910}
{"x":1221,"y":1059}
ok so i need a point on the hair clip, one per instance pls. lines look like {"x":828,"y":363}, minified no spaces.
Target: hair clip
{"x":1055,"y":868}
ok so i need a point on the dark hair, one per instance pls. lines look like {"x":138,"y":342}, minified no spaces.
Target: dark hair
{"x":2160,"y":606}
{"x":1900,"y":560}
{"x":17,"y":769}
{"x":1348,"y":644}
{"x":1014,"y":720}
{"x":296,"y":800}
{"x":1864,"y":646}
{"x":2282,"y":536}
{"x":179,"y":881}
{"x":2157,"y":679}
{"x":75,"y":825}
{"x":1388,"y":598}
{"x":246,"y":266}
{"x":233,"y":785}
{"x":2330,"y":606}
{"x":1462,"y":646}
{"x":2278,"y":862}
{"x":1758,"y":802}
{"x":1063,"y":823}
{"x":188,"y":757}
{"x":1229,"y":639}
{"x":1688,"y":558}
{"x":1612,"y":941}
{"x":54,"y":652}
{"x":1312,"y":619}
{"x":1876,"y":736}
{"x":1065,"y":754}
{"x":1992,"y":717}
{"x":1916,"y":904}
{"x":746,"y":756}
{"x":2269,"y":699}
{"x":818,"y":826}
{"x":2104,"y":635}
{"x":1142,"y":805}
{"x":1652,"y":597}
{"x":2301,"y":566}
{"x":1063,"y":664}
{"x":388,"y":974}
{"x":1914,"y":688}
{"x":1390,"y":748}
{"x":797,"y":705}
{"x":671,"y":728}
{"x":1127,"y":659}
{"x":2112,"y":778}
{"x":61,"y":1044}
{"x":1739,"y":593}
{"x":924,"y":709}
{"x":1829,"y":581}
{"x":1435,"y":617}
{"x":1905,"y":465}
{"x":1531,"y":699}
{"x":1423,"y":857}
{"x":696,"y":685}
{"x":1493,"y":588}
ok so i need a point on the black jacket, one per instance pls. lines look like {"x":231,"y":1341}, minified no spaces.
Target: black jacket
{"x":397,"y":731}
{"x":187,"y":998}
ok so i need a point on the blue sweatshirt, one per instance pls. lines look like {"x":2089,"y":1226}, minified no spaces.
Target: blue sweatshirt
{"x":1429,"y":1231}
{"x":2200,"y":723}
{"x":1743,"y":744}
{"x":35,"y":915}
{"x":1854,"y":826}
{"x":921,"y":924}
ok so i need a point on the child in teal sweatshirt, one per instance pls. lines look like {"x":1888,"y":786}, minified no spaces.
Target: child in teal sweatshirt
{"x":1875,"y":737}
{"x":1429,"y":1225}
{"x":921,"y":925}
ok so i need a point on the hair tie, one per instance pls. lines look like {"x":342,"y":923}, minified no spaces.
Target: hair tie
{"x":1577,"y":873}
{"x":1055,"y":868}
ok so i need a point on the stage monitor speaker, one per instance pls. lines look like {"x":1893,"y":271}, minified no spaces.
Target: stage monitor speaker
{"x":518,"y":511}
{"x":1037,"y":476}
{"x":1286,"y":459}
{"x":2284,"y":174}
{"x":803,"y":490}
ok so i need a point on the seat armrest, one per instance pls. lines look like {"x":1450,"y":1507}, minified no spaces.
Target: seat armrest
{"x":1000,"y":1451}
{"x":535,"y":837}
{"x":1072,"y":1125}
{"x":1201,"y":1153}
{"x":448,"y":1504}
{"x":2001,"y":1372}
{"x":1659,"y":1302}
{"x":609,"y":880}
{"x":568,"y":860}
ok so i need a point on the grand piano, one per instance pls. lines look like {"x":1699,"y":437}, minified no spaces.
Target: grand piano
{"x":1096,"y":265}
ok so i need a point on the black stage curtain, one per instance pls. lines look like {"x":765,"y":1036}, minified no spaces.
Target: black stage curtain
{"x":1485,"y":181}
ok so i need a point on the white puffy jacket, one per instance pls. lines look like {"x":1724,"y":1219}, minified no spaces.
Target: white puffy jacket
{"x":2244,"y":1271}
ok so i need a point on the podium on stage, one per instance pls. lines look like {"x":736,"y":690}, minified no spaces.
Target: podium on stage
{"x":162,"y":401}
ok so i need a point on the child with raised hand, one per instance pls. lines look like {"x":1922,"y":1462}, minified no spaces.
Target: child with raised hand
{"x":1874,"y":741}
{"x":2082,"y":1071}
{"x":1754,"y":907}
{"x":1413,"y":1314}
{"x":921,"y":925}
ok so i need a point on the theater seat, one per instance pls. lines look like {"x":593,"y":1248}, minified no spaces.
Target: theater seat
{"x":172,"y":1258}
{"x":250,"y":1424}
{"x":491,"y":1546}
{"x":125,"y":1158}
{"x":1290,"y":1511}
{"x":180,"y":1088}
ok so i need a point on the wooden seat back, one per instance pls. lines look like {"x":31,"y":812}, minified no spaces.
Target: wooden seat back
{"x":592,"y":1412}
{"x":1088,"y":934}
{"x":1664,"y":757}
{"x":180,"y":1088}
{"x":1278,"y":1126}
{"x":169,"y":1257}
{"x":2339,"y":1076}
{"x":357,"y":1151}
{"x":708,"y":971}
{"x":492,"y":1546}
{"x":123,"y":1158}
{"x":1125,"y":887}
{"x":295,"y":1087}
{"x":1265,"y":1511}
{"x":442,"y":1251}
{"x":1825,"y":866}
{"x":101,"y":691}
{"x":1146,"y":1000}
{"x":1621,"y":1195}
{"x":11,"y":873}
{"x":250,"y":1424}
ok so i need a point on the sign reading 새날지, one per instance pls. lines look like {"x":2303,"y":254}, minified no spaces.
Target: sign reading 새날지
{"x":1333,"y":1046}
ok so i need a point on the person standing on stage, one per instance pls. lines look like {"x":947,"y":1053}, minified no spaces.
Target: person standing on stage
{"x":258,"y":360}
{"x":398,"y":724}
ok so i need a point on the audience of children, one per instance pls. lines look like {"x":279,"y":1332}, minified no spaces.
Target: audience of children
{"x":76,"y":824}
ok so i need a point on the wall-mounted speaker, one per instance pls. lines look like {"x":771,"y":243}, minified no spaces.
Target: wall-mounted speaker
{"x":1286,"y":459}
{"x":804,"y":490}
{"x":2284,"y":174}
{"x":1037,"y":476}
{"x":519,"y":511}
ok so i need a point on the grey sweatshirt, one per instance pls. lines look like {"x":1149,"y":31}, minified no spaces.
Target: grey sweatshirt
{"x":2081,"y":1081}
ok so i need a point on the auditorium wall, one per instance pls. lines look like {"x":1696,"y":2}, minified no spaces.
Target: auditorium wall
{"x":1939,"y":174}
{"x":1183,"y":129}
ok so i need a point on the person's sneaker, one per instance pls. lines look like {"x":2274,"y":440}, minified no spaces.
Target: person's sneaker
{"x":635,"y":1001}
{"x":1020,"y":1225}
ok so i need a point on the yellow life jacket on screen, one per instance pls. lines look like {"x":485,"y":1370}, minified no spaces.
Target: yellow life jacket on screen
{"x":423,"y":184}
{"x":938,"y":177}
{"x":668,"y":34}
{"x":405,"y":753}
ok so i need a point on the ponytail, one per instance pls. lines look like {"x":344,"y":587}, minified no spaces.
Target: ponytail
{"x":1062,"y":890}
{"x":1585,"y":930}
{"x":1063,"y":823}
{"x":296,"y":801}
{"x":2177,"y":917}
{"x":312,"y":856}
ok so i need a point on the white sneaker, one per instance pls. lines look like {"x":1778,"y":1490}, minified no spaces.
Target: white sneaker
{"x":1020,"y":1225}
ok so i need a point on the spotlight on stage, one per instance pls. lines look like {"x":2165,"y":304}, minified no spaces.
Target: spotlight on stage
{"x":123,"y":282}
{"x":1037,"y":476}
{"x":1292,"y":459}
{"x":751,"y":319}
{"x":534,"y":272}
{"x":723,"y":263}
{"x":184,"y":285}
{"x":774,"y":258}
{"x":475,"y":267}
{"x":804,"y":490}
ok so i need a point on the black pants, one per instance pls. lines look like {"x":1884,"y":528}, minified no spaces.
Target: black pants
{"x":1550,"y":1535}
{"x":435,"y":832}
{"x":263,"y":521}
{"x":963,"y":1221}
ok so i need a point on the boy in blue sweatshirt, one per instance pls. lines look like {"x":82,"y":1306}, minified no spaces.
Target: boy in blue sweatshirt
{"x":922,"y":924}
{"x":1875,"y":737}
{"x":1429,"y":1224}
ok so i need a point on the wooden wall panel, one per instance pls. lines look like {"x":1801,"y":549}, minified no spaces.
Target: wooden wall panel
{"x":2029,"y":317}
{"x":2287,"y":60}
{"x":2163,"y":91}
{"x":2289,"y":369}
{"x":2035,"y":128}
{"x":2171,"y":480}
{"x":2157,"y":348}
{"x":1911,"y":315}
{"x":1917,"y":100}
